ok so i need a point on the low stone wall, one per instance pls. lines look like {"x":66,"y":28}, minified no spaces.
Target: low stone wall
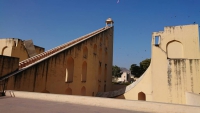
{"x":192,"y":99}
{"x":151,"y":107}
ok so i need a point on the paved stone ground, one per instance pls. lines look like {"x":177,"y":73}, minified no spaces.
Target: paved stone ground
{"x":21,"y":105}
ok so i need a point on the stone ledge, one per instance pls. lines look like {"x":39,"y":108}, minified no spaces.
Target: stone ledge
{"x":107,"y":102}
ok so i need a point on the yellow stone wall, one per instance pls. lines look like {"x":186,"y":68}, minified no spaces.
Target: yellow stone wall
{"x":8,"y":64}
{"x":174,"y":68}
{"x":15,"y":48}
{"x":50,"y":75}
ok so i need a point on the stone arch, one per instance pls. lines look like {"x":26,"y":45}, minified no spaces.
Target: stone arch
{"x":3,"y":49}
{"x":95,"y":49}
{"x":84,"y":72}
{"x":69,"y":70}
{"x":68,"y":91}
{"x":141,"y":96}
{"x":85,"y":52}
{"x":83,"y":91}
{"x":174,"y":49}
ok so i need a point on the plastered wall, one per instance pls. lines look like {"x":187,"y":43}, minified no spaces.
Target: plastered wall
{"x":174,"y":67}
{"x":50,"y":74}
{"x":192,"y":99}
{"x":8,"y":64}
{"x":15,"y":47}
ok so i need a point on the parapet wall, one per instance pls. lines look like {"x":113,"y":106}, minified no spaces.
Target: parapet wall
{"x":140,"y":106}
{"x":192,"y":99}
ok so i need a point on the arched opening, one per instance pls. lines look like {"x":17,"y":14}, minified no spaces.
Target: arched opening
{"x":84,"y":72}
{"x":85,"y":52}
{"x":68,"y":91}
{"x":95,"y":49}
{"x":2,"y":52}
{"x":174,"y":49}
{"x":100,"y":54}
{"x":141,"y":96}
{"x":83,"y":91}
{"x":69,"y":70}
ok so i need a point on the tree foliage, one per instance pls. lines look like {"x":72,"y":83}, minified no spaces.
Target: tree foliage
{"x":116,"y":71}
{"x":145,"y":64}
{"x":139,"y":70}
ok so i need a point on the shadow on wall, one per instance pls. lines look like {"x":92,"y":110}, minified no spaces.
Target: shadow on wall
{"x":120,"y":97}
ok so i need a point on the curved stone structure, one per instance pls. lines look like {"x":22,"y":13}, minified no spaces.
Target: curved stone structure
{"x":174,"y":69}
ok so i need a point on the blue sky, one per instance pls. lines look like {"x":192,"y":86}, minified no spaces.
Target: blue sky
{"x":50,"y":23}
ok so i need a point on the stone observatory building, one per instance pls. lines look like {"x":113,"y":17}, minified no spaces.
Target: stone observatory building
{"x":82,"y":66}
{"x":174,"y":73}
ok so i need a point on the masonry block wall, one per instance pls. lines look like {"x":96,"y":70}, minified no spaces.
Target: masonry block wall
{"x":8,"y":64}
{"x":82,"y":69}
{"x":15,"y":47}
{"x":174,"y":69}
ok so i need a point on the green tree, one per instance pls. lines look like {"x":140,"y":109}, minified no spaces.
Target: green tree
{"x":144,"y":65}
{"x":116,"y":71}
{"x":139,"y":70}
{"x":135,"y":70}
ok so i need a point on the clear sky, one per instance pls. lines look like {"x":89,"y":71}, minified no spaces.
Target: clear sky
{"x":50,"y":23}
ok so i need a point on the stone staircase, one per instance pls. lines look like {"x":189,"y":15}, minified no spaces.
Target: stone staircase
{"x":42,"y":56}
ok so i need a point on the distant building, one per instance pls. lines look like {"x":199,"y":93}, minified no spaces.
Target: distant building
{"x":126,"y":76}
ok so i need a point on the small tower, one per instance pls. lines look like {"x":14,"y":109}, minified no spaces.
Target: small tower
{"x":109,"y":22}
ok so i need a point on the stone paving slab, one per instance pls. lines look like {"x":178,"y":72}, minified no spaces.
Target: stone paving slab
{"x":22,"y":105}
